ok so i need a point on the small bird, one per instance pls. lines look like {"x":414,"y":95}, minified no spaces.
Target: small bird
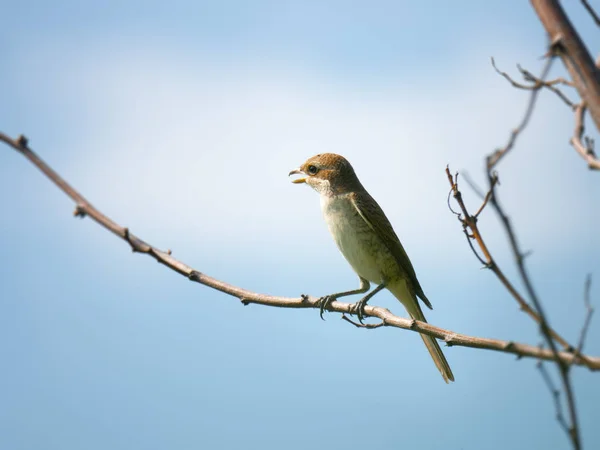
{"x":367,"y":240}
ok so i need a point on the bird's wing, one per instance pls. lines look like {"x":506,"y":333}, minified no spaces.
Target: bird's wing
{"x":374,"y":216}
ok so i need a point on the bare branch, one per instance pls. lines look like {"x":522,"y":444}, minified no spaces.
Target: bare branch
{"x":593,"y":13}
{"x":84,"y":208}
{"x":586,"y":151}
{"x":487,"y":197}
{"x":588,"y":315}
{"x":537,"y":83}
{"x":499,"y":153}
{"x":567,"y":44}
{"x":560,"y":417}
{"x":469,"y":221}
{"x":547,"y":332}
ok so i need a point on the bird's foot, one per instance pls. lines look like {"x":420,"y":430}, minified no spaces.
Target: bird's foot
{"x":324,"y":303}
{"x":359,"y":309}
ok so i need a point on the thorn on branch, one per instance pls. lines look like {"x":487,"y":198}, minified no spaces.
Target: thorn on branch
{"x":22,"y":141}
{"x":79,"y":211}
{"x":244,"y":301}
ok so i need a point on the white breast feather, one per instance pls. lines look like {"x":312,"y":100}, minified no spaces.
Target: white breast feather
{"x":352,"y":236}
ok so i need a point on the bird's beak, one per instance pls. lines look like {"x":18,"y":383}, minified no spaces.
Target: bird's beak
{"x":297,"y":180}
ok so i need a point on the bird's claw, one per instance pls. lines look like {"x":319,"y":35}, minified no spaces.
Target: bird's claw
{"x":324,"y":303}
{"x":359,"y":309}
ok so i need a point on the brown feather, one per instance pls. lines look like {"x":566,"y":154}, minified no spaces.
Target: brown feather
{"x":372,"y":213}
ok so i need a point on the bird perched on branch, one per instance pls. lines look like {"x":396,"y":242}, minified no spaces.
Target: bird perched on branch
{"x":367,"y":240}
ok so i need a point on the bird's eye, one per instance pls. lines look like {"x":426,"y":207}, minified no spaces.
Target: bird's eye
{"x":312,"y":169}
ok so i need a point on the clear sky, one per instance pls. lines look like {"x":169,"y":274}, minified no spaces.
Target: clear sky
{"x":181,"y":120}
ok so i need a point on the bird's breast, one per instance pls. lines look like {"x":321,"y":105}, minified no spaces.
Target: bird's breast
{"x":357,"y":241}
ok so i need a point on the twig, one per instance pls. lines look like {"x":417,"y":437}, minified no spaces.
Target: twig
{"x":551,"y":85}
{"x":537,"y":83}
{"x":547,"y":332}
{"x":560,"y":417}
{"x":591,"y":11}
{"x":487,"y":197}
{"x":84,"y":208}
{"x":588,"y":314}
{"x":499,"y":153}
{"x":567,"y":44}
{"x":470,"y":222}
{"x":586,"y":151}
{"x":474,"y":187}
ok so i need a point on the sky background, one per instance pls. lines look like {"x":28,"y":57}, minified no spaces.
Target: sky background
{"x":181,"y":120}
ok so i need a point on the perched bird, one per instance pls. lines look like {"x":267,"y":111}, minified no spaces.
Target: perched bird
{"x":367,"y":240}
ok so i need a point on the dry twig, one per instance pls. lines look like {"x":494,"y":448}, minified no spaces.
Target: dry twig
{"x":547,"y":332}
{"x":537,"y":83}
{"x":589,"y":311}
{"x":555,"y":393}
{"x":593,"y":13}
{"x":471,"y":230}
{"x":499,"y":153}
{"x":567,"y":44}
{"x":586,"y":151}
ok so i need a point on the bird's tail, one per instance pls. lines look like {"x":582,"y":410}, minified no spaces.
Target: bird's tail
{"x":411,"y":303}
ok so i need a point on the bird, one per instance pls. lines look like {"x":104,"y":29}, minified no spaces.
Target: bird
{"x":365,"y":237}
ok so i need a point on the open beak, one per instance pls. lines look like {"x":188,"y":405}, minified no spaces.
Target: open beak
{"x":297,"y":180}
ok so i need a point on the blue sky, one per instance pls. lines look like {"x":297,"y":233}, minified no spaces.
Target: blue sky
{"x":181,"y":120}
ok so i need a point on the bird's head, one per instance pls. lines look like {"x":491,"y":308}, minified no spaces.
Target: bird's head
{"x":328,"y":173}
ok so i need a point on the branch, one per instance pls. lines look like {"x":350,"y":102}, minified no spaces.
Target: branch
{"x":84,"y":208}
{"x":537,"y":83}
{"x":560,"y":417}
{"x":589,"y":311}
{"x":567,"y":44}
{"x":591,"y":11}
{"x":471,"y":230}
{"x":586,"y":151}
{"x":546,"y":330}
{"x":499,"y":153}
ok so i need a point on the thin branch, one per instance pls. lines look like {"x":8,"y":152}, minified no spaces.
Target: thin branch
{"x":544,"y":324}
{"x":567,"y":44}
{"x":474,"y":187}
{"x":550,"y":85}
{"x":588,"y":314}
{"x":487,"y":197}
{"x":84,"y":208}
{"x":555,"y":393}
{"x":586,"y":151}
{"x":593,"y":13}
{"x":537,"y":83}
{"x":469,"y":221}
{"x":499,"y":153}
